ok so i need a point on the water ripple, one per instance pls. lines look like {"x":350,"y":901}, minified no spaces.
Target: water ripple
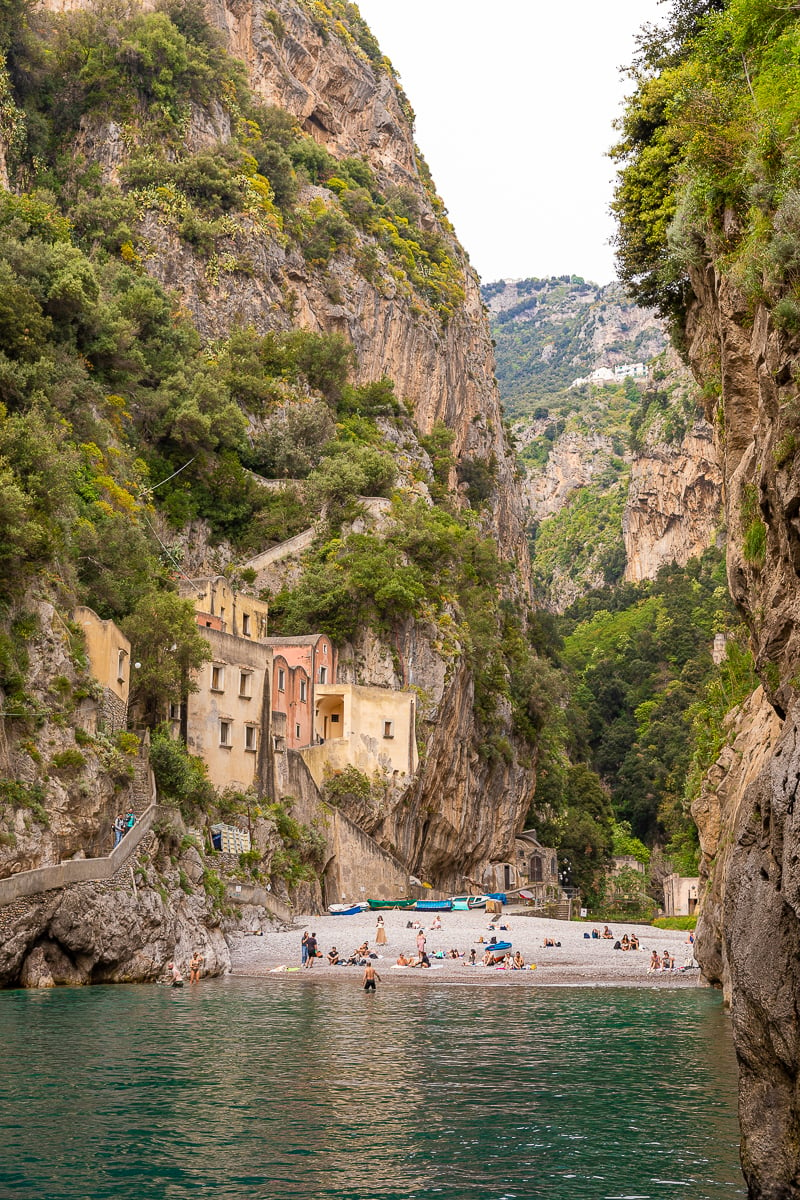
{"x":275,"y":1090}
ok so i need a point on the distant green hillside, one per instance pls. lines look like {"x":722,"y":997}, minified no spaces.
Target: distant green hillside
{"x":548,"y":332}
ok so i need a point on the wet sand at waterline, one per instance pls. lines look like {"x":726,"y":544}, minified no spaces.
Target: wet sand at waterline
{"x":577,"y":961}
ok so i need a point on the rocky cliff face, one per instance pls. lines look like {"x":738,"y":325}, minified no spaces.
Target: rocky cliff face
{"x":749,"y":932}
{"x":673,"y":508}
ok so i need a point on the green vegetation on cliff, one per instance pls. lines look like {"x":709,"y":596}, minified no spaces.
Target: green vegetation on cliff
{"x":645,"y":707}
{"x":708,"y":154}
{"x":125,"y":429}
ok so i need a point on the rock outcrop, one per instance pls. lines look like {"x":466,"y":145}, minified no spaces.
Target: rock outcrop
{"x":674,"y":503}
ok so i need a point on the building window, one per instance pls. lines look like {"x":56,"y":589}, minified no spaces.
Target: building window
{"x":245,"y":684}
{"x":217,"y":679}
{"x":297,"y":732}
{"x":175,"y":712}
{"x":303,"y":691}
{"x":121,"y":656}
{"x":334,"y":718}
{"x":281,"y":679}
{"x":323,"y":674}
{"x":536,"y":873}
{"x":324,"y":647}
{"x":251,"y":738}
{"x":245,"y":625}
{"x":388,"y":729}
{"x":225,"y":733}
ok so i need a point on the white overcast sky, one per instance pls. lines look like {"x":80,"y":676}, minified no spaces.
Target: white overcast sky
{"x":515,"y":101}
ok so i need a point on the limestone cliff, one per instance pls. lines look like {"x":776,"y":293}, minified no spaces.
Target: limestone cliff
{"x":673,"y":507}
{"x":749,"y":931}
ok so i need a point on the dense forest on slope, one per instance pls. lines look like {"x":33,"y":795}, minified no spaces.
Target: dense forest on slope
{"x":548,"y":332}
{"x":643,"y":712}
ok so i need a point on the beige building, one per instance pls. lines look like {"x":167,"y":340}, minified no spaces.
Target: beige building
{"x":370,"y":728}
{"x":224,"y":720}
{"x":680,"y":895}
{"x":219,"y":607}
{"x":109,"y":654}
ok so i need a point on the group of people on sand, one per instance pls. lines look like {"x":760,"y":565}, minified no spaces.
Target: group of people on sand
{"x":626,"y":942}
{"x":661,"y":962}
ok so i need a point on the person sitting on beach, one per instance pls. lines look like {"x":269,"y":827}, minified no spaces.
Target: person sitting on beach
{"x":549,"y":942}
{"x":472,"y":957}
{"x":634,"y":944}
{"x":422,"y":960}
{"x":437,"y":923}
{"x":518,"y":962}
{"x":655,"y":962}
{"x":333,"y":956}
{"x":453,"y":954}
{"x":625,"y":944}
{"x":492,"y":957}
{"x":402,"y":961}
{"x":607,"y":934}
{"x":595,"y":933}
{"x":667,"y":962}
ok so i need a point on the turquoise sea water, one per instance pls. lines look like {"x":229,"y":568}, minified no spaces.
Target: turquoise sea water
{"x":270,"y":1089}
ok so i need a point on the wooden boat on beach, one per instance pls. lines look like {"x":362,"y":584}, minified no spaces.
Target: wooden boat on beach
{"x":433,"y":905}
{"x":407,"y":903}
{"x":463,"y":903}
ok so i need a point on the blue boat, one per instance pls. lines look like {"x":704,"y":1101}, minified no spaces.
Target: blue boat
{"x":501,"y":896}
{"x":433,"y":905}
{"x":339,"y":910}
{"x":497,"y":947}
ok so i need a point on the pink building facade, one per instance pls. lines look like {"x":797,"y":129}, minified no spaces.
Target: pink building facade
{"x":299,"y":665}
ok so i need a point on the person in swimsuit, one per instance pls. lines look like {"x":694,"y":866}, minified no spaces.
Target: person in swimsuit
{"x":370,"y":975}
{"x":177,"y":978}
{"x":196,"y":963}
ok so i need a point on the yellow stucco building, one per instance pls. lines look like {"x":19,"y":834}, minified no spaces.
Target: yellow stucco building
{"x":109,"y":654}
{"x":371,"y":728}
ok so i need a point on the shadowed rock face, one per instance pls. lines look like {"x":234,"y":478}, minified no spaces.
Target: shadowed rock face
{"x":749,"y":934}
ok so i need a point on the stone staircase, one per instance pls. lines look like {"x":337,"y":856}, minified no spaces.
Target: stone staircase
{"x":80,"y":870}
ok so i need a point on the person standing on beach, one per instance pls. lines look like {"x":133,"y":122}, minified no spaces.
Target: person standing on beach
{"x":421,"y":939}
{"x":304,"y":948}
{"x":370,"y":975}
{"x":380,"y":932}
{"x":311,"y":949}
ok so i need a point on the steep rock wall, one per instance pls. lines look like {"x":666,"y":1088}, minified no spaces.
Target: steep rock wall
{"x":674,"y":503}
{"x":750,"y":939}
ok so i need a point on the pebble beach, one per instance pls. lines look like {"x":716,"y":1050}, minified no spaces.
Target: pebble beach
{"x":578,"y":961}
